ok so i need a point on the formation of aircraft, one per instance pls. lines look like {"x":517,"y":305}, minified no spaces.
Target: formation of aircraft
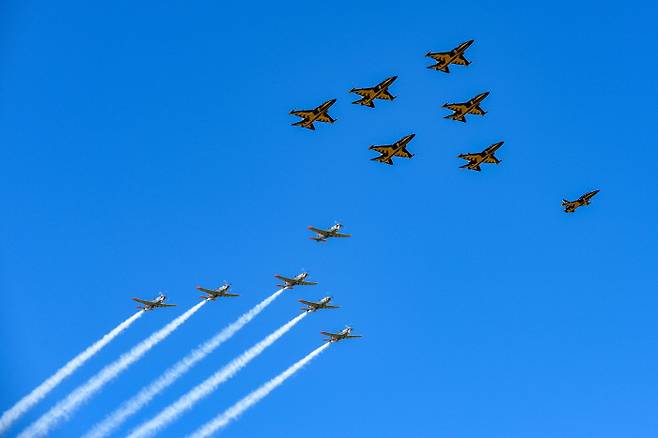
{"x":397,"y":149}
{"x":158,"y":301}
{"x":323,"y":235}
{"x":471,"y":106}
{"x":318,"y":114}
{"x":343,"y":334}
{"x":379,"y":91}
{"x":213,"y":294}
{"x":314,"y":306}
{"x":486,"y":156}
{"x":455,"y":56}
{"x":297,"y":280}
{"x":571,"y":206}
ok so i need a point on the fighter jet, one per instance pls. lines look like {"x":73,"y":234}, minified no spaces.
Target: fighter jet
{"x":323,"y":235}
{"x":470,"y":107}
{"x":297,"y":280}
{"x":318,"y":114}
{"x":158,"y":301}
{"x":343,"y":334}
{"x":213,"y":294}
{"x":486,"y":156}
{"x":397,"y":149}
{"x":455,"y":56}
{"x":571,"y":206}
{"x":322,"y":304}
{"x":379,"y":91}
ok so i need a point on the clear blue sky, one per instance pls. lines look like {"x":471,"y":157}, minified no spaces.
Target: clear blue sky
{"x":147,"y":147}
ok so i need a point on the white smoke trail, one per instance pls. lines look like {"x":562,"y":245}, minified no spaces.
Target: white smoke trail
{"x":23,"y":405}
{"x":254,"y":397}
{"x":65,"y":408}
{"x":143,"y":397}
{"x":184,"y":403}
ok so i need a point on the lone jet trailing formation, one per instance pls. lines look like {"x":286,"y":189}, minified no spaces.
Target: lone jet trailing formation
{"x":571,"y":206}
{"x":397,"y":149}
{"x":343,"y":334}
{"x":379,"y":91}
{"x":318,"y":114}
{"x":455,"y":56}
{"x":470,"y":107}
{"x":323,"y":235}
{"x":486,"y":156}
{"x":313,"y":306}
{"x":213,"y":294}
{"x":298,"y":280}
{"x":158,"y":301}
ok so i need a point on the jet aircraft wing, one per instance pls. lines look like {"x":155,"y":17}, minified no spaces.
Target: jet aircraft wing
{"x":342,"y":235}
{"x":477,"y":111}
{"x":282,"y":278}
{"x":383,"y":159}
{"x":319,"y":231}
{"x":387,"y":150}
{"x":458,"y":107}
{"x":208,"y":291}
{"x":145,"y":302}
{"x":325,"y":118}
{"x":439,"y":56}
{"x":307,"y":283}
{"x":403,"y":153}
{"x":365,"y":92}
{"x":460,"y":60}
{"x":491,"y":159}
{"x":165,"y":305}
{"x":470,"y":157}
{"x":385,"y":95}
{"x":302,"y":113}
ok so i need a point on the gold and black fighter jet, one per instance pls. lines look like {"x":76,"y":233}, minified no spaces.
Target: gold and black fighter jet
{"x":379,"y":91}
{"x":486,"y":156}
{"x":470,"y":107}
{"x":318,"y":114}
{"x":571,"y":206}
{"x":455,"y":56}
{"x":397,"y":149}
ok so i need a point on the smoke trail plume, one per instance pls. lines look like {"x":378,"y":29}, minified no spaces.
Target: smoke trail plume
{"x":184,"y":403}
{"x":143,"y":397}
{"x":23,"y":405}
{"x":232,"y":413}
{"x":65,"y":408}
